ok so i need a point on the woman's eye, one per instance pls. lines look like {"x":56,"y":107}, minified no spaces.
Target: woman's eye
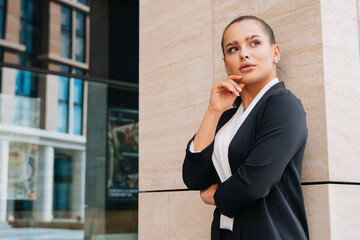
{"x":232,"y":50}
{"x":254,"y":43}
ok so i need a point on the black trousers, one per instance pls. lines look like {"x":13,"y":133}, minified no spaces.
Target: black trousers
{"x":225,"y":234}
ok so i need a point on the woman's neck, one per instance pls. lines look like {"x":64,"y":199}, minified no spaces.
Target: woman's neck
{"x":250,"y":91}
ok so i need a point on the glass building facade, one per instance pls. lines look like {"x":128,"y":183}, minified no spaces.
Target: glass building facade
{"x":68,"y":126}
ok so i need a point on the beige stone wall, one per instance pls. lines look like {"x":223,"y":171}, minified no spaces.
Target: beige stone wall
{"x":12,"y":27}
{"x":358,"y":20}
{"x":180,"y":59}
{"x":176,"y":75}
{"x":54,"y":28}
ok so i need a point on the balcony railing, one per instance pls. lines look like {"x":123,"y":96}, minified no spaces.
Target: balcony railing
{"x":20,"y":110}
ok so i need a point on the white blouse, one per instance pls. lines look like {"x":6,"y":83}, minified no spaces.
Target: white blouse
{"x":222,"y":141}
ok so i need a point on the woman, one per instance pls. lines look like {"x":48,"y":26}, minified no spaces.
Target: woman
{"x":247,"y":160}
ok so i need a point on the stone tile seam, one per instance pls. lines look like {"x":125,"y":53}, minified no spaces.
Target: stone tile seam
{"x":303,"y":184}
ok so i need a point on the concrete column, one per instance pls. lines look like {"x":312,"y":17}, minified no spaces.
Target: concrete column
{"x":48,"y":93}
{"x":43,"y":205}
{"x":4,"y":162}
{"x":78,"y":186}
{"x":8,"y":76}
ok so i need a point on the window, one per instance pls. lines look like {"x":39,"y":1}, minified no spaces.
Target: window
{"x":80,"y":37}
{"x":65,"y":45}
{"x":83,"y":1}
{"x":78,"y":103}
{"x":2,"y":32}
{"x":62,"y":186}
{"x":67,"y":37}
{"x":30,"y":32}
{"x":25,"y":104}
{"x":2,"y":18}
{"x":1,"y":59}
{"x":63,"y":101}
{"x":26,"y":84}
{"x":26,"y":87}
{"x":70,"y":102}
{"x":26,"y":27}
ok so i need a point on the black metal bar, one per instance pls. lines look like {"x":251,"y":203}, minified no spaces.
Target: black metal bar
{"x":132,"y":86}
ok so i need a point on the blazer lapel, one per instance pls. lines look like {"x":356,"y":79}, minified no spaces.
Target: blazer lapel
{"x":229,"y":113}
{"x":242,"y":141}
{"x":276,"y":88}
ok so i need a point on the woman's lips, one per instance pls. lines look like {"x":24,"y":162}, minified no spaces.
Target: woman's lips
{"x":247,"y":69}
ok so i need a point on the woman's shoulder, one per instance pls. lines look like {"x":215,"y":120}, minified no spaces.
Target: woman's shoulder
{"x":285,"y":98}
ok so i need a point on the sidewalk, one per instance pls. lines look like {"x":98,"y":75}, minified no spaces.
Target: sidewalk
{"x":40,"y":234}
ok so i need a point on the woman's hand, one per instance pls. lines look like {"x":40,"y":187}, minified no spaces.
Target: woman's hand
{"x":207,"y":195}
{"x":223,"y":94}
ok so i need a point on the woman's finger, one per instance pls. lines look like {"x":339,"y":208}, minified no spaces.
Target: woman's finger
{"x":228,"y":86}
{"x":235,"y":85}
{"x":233,"y":89}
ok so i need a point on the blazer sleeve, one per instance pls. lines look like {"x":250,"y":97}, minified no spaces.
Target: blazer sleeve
{"x":198,"y":170}
{"x":282,"y":133}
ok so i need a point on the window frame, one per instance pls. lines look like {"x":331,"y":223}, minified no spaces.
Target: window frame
{"x":74,"y":34}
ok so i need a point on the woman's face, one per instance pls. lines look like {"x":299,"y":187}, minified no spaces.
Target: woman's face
{"x":249,"y":53}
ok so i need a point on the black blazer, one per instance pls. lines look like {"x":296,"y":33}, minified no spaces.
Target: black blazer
{"x":264,"y":192}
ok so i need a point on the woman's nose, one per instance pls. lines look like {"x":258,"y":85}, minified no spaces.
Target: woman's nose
{"x":243,"y":54}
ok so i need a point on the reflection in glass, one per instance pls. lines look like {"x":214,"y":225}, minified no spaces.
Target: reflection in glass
{"x":50,"y":173}
{"x":123,"y":154}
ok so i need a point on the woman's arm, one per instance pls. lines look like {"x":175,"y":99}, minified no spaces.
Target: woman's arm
{"x":206,"y":132}
{"x":223,"y":95}
{"x":198,"y":170}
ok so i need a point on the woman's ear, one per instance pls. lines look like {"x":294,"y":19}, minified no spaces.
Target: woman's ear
{"x":277,"y":51}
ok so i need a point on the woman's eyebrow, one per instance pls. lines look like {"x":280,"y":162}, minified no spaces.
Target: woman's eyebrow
{"x":246,"y":39}
{"x":251,"y":37}
{"x":231,"y":43}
